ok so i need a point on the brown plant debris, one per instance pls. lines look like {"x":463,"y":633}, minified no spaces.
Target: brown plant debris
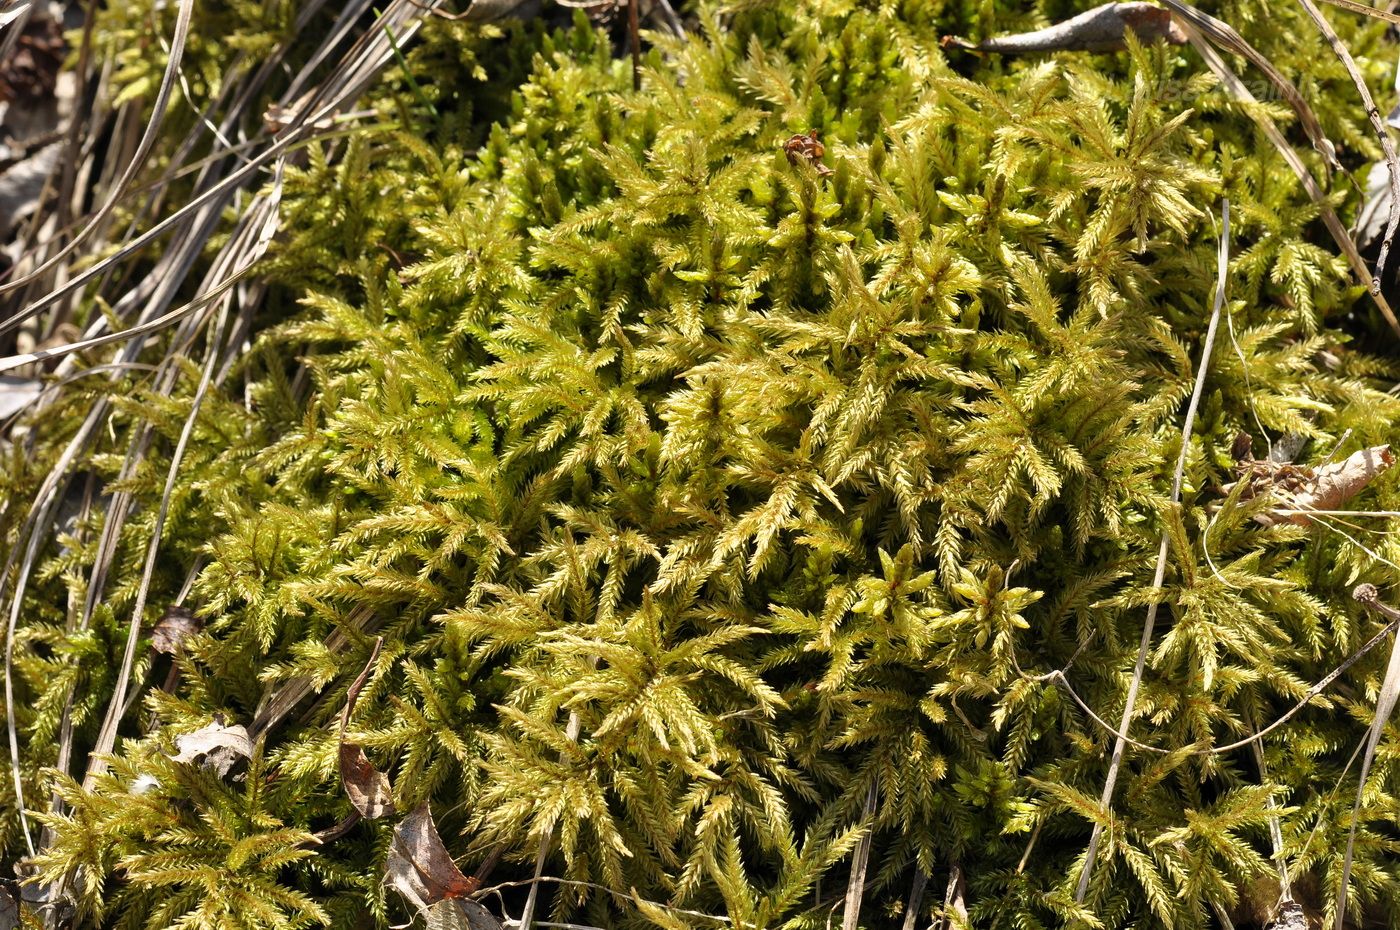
{"x":214,"y":747}
{"x":1102,"y":29}
{"x":175,"y":626}
{"x":31,"y":73}
{"x":807,"y":148}
{"x":1290,"y":916}
{"x":367,"y":787}
{"x":419,"y":866}
{"x":1301,"y":488}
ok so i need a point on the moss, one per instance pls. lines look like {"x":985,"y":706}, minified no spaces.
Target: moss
{"x":785,"y":486}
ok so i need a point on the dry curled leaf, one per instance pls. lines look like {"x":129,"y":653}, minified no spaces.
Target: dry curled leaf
{"x":1386,"y":700}
{"x":1298,"y":489}
{"x":1102,"y":29}
{"x":175,"y":626}
{"x":1241,"y":448}
{"x":419,"y":865}
{"x":367,"y":787}
{"x":1286,"y":448}
{"x":1330,"y":486}
{"x":278,"y":117}
{"x":214,"y":747}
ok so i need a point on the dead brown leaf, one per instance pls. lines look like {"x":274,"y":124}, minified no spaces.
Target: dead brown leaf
{"x":214,"y":747}
{"x":420,"y":867}
{"x":1331,"y":486}
{"x":807,"y":147}
{"x":175,"y":626}
{"x":367,"y":787}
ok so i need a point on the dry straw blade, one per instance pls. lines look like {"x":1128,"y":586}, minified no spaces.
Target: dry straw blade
{"x":145,"y":304}
{"x":1385,"y":705}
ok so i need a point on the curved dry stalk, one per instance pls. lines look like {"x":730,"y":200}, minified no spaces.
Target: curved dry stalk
{"x":358,"y":68}
{"x":541,"y":857}
{"x":574,"y":883}
{"x":260,"y":225}
{"x":673,"y":21}
{"x":138,"y":160}
{"x":1129,"y":704}
{"x":860,"y":863}
{"x":13,"y":19}
{"x":571,"y":732}
{"x":1385,"y":704}
{"x":280,"y":698}
{"x":916,"y":899}
{"x":1387,"y":15}
{"x":1258,"y":735}
{"x":340,"y":29}
{"x":45,"y":501}
{"x":1224,"y":35}
{"x":354,"y":71}
{"x":162,"y":322}
{"x":1374,"y":115}
{"x":1237,"y":89}
{"x":1275,"y":828}
{"x":77,"y":120}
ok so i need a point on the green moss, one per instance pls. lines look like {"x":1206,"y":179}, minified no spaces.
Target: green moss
{"x":787,"y":486}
